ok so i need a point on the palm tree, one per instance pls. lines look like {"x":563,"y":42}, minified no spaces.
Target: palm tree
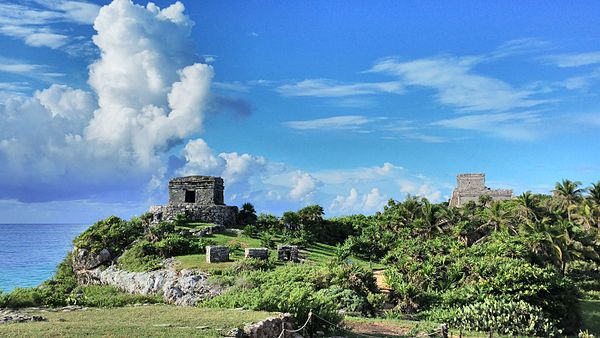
{"x":429,"y":218}
{"x":527,"y":206}
{"x":567,"y":193}
{"x":496,"y":216}
{"x":594,"y":193}
{"x":485,"y":200}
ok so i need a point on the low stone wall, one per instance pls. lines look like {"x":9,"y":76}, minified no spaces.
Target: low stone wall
{"x":218,"y":214}
{"x":217,"y":253}
{"x":288,"y":253}
{"x":209,"y":230}
{"x":270,"y":327}
{"x":185,"y":287}
{"x":258,"y":253}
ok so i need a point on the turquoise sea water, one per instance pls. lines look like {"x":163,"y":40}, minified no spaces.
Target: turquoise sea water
{"x":29,"y":253}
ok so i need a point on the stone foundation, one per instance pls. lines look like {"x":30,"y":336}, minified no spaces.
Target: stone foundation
{"x":217,"y":254}
{"x":218,"y":214}
{"x":270,"y":327}
{"x":258,"y":253}
{"x":288,"y":253}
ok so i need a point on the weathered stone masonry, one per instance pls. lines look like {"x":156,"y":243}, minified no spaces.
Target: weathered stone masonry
{"x":472,"y":186}
{"x":217,"y":253}
{"x":198,"y":198}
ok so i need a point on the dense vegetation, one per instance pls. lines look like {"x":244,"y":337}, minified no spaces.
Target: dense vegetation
{"x":516,"y":267}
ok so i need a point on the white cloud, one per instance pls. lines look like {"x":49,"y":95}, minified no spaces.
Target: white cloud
{"x":304,"y":186}
{"x":233,"y":167}
{"x":18,"y":67}
{"x":335,"y":122}
{"x":516,"y":126}
{"x":353,"y":203}
{"x":456,"y":83}
{"x":32,"y":23}
{"x":330,"y":88}
{"x":574,"y":60}
{"x":147,"y":96}
{"x":232,"y":86}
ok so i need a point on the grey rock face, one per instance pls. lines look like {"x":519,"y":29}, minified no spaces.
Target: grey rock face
{"x":185,"y":287}
{"x":215,"y":229}
{"x":83,"y":259}
{"x":217,"y":253}
{"x":7,"y":316}
{"x":270,"y":327}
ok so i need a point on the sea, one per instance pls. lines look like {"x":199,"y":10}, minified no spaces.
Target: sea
{"x":29,"y":253}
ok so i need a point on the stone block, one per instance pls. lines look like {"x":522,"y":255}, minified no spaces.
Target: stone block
{"x":288,"y":253}
{"x":258,"y":253}
{"x":217,"y":253}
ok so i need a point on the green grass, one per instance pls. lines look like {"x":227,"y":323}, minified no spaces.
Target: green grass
{"x":140,"y":321}
{"x":316,"y":252}
{"x":193,"y":225}
{"x":591,"y":316}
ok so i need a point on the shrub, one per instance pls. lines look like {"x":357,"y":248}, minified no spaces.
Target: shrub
{"x":112,"y":233}
{"x":108,"y":296}
{"x":142,"y":256}
{"x":21,"y":297}
{"x":498,"y":315}
{"x":291,"y":288}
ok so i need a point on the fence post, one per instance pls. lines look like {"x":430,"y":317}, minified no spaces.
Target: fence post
{"x":444,"y":330}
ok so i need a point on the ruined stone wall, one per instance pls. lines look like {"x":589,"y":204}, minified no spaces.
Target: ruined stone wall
{"x":217,"y":253}
{"x":470,"y":182}
{"x":218,"y":214}
{"x":208,"y":190}
{"x":469,"y":187}
{"x":270,"y":327}
{"x":258,"y":253}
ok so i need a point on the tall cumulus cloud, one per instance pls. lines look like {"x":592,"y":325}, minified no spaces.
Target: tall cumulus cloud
{"x":145,"y":96}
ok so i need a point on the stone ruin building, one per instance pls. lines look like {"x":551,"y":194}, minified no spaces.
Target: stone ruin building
{"x":471,"y":186}
{"x":198,"y":198}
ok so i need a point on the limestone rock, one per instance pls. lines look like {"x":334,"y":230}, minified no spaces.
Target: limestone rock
{"x":83,"y":259}
{"x":185,"y":287}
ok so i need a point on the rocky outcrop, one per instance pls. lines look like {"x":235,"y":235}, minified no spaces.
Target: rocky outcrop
{"x":270,"y":327}
{"x":7,"y":316}
{"x":83,"y":259}
{"x":184,"y":287}
{"x":209,"y":230}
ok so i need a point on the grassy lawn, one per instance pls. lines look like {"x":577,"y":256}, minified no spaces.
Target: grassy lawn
{"x":591,"y":316}
{"x":316,"y":252}
{"x":193,"y":225}
{"x":138,"y":321}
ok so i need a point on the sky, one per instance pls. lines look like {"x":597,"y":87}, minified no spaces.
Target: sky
{"x":344,"y":104}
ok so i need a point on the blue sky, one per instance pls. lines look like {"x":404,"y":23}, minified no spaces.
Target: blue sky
{"x":344,"y":104}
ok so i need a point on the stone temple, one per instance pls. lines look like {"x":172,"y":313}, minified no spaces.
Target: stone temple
{"x":471,"y":186}
{"x":198,"y":198}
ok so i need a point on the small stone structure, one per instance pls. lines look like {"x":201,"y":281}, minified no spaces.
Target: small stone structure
{"x":270,"y":327}
{"x":198,"y":198}
{"x":472,"y":186}
{"x":288,"y":253}
{"x":258,"y":253}
{"x":209,"y":230}
{"x":217,"y":254}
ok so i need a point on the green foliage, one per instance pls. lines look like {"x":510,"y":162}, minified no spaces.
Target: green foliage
{"x":267,"y":240}
{"x":297,"y":288}
{"x":21,"y":297}
{"x":247,"y":215}
{"x":112,"y":233}
{"x":500,"y":316}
